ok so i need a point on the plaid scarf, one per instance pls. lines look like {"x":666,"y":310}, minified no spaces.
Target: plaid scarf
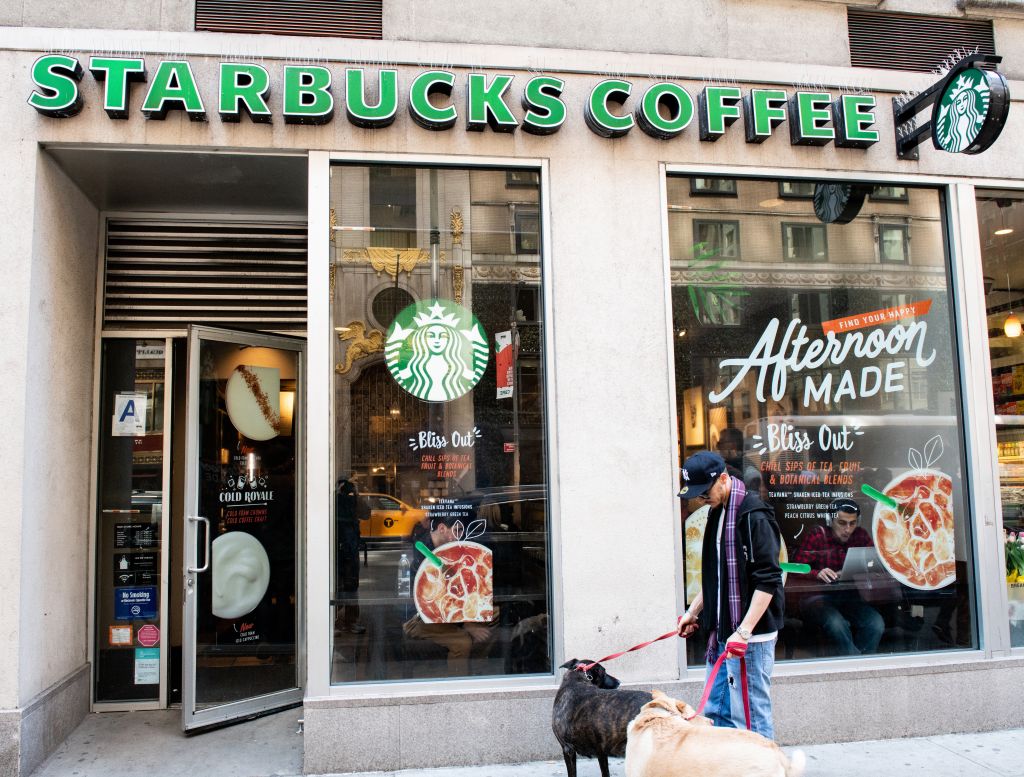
{"x":732,"y":513}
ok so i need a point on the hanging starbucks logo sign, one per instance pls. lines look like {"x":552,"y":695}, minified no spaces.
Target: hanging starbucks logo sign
{"x":436,"y":350}
{"x":969,"y":107}
{"x":839,"y":203}
{"x":971,"y":112}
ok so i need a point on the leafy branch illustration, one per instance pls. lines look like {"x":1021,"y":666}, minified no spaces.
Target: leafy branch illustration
{"x":933,"y":451}
{"x":465,"y":533}
{"x":716,"y":291}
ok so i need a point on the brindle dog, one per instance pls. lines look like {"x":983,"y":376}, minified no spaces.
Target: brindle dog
{"x":590,"y":717}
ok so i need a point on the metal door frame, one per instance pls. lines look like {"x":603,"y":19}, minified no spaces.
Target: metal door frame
{"x":192,"y":719}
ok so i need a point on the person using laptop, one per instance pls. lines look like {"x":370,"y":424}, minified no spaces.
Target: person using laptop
{"x":834,"y":605}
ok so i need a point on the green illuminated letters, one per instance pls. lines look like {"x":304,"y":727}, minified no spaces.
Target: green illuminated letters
{"x":244,"y":87}
{"x":117,"y":74}
{"x":808,"y":114}
{"x":545,"y":111}
{"x":57,"y":77}
{"x":719,"y":106}
{"x":486,"y":104}
{"x":664,"y":111}
{"x":307,"y":95}
{"x":601,"y":120}
{"x":173,"y":88}
{"x":852,"y":115}
{"x":676,"y":101}
{"x":763,"y":111}
{"x":423,"y":112}
{"x":362,"y":114}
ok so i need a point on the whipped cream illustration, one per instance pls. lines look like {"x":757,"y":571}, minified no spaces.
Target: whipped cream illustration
{"x":241,"y":574}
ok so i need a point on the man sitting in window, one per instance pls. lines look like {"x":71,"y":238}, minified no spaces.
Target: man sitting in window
{"x":851,"y":625}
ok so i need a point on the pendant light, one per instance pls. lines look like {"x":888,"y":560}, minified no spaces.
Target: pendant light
{"x":1002,"y":205}
{"x":1011,"y":326}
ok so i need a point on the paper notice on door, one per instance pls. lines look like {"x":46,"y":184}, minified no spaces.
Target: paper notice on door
{"x":147,"y":666}
{"x":129,"y":415}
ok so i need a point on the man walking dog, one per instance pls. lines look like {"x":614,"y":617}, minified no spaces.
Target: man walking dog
{"x":742,"y":583}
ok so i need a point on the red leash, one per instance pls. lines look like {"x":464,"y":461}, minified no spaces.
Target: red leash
{"x":711,"y":681}
{"x":707,"y":686}
{"x":588,"y":667}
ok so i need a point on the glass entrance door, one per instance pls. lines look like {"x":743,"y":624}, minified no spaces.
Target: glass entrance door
{"x":242,"y":652}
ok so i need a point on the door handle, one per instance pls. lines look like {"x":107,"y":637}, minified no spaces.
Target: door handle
{"x":206,"y":545}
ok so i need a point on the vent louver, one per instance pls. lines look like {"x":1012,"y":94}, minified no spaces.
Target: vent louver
{"x":164,"y":275}
{"x":898,"y":41}
{"x":328,"y":18}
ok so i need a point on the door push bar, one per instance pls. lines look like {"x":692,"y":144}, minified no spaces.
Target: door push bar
{"x":206,"y":557}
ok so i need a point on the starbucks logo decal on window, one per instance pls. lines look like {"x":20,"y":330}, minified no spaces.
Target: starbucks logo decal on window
{"x":436,"y":350}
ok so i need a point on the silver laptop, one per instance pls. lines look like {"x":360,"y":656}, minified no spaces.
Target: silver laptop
{"x":862,"y":566}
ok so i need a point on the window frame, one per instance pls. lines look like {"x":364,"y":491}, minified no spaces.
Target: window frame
{"x":320,"y":468}
{"x":734,"y":223}
{"x":696,"y":192}
{"x":880,"y":227}
{"x":982,"y":497}
{"x":797,"y":295}
{"x":874,"y":197}
{"x":786,"y":225}
{"x":784,"y":195}
{"x":521,"y":179}
{"x":521,"y":217}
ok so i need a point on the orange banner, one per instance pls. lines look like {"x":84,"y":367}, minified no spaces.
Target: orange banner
{"x":877,"y":317}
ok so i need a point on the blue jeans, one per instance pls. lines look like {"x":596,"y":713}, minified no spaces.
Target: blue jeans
{"x":851,"y":626}
{"x":725,"y":705}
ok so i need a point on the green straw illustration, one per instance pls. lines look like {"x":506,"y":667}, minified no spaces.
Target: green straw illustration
{"x":433,"y":558}
{"x":878,"y":496}
{"x":429,"y":554}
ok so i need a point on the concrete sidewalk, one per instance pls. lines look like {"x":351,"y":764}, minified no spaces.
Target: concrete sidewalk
{"x":999,"y":753}
{"x":151,"y":743}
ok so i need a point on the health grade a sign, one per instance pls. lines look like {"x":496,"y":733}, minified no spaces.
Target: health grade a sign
{"x":663,"y":110}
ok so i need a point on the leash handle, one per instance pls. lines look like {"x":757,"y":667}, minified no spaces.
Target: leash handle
{"x":711,"y":682}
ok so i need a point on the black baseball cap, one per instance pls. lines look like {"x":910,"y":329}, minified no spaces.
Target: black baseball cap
{"x":700,"y":472}
{"x":846,"y":505}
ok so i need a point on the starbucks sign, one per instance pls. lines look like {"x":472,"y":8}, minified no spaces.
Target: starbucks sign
{"x":971,"y":112}
{"x":839,"y":203}
{"x":436,"y":350}
{"x":969,"y":107}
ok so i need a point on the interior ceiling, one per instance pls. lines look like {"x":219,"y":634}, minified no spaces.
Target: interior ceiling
{"x":118,"y":179}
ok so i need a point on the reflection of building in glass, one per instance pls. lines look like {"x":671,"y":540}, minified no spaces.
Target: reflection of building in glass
{"x":818,"y":358}
{"x":442,"y":455}
{"x":794,"y":266}
{"x":486,"y":257}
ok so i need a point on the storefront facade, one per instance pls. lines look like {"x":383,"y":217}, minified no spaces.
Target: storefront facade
{"x":278,"y":308}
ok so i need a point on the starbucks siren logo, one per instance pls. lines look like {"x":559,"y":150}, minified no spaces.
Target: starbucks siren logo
{"x":839,"y":203}
{"x":436,"y":350}
{"x":962,"y":111}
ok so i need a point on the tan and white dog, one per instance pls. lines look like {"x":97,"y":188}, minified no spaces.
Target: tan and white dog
{"x":662,"y":742}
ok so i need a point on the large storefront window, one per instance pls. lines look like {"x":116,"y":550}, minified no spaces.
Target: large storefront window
{"x":440,"y":541}
{"x":1001,"y":229}
{"x":819,"y":359}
